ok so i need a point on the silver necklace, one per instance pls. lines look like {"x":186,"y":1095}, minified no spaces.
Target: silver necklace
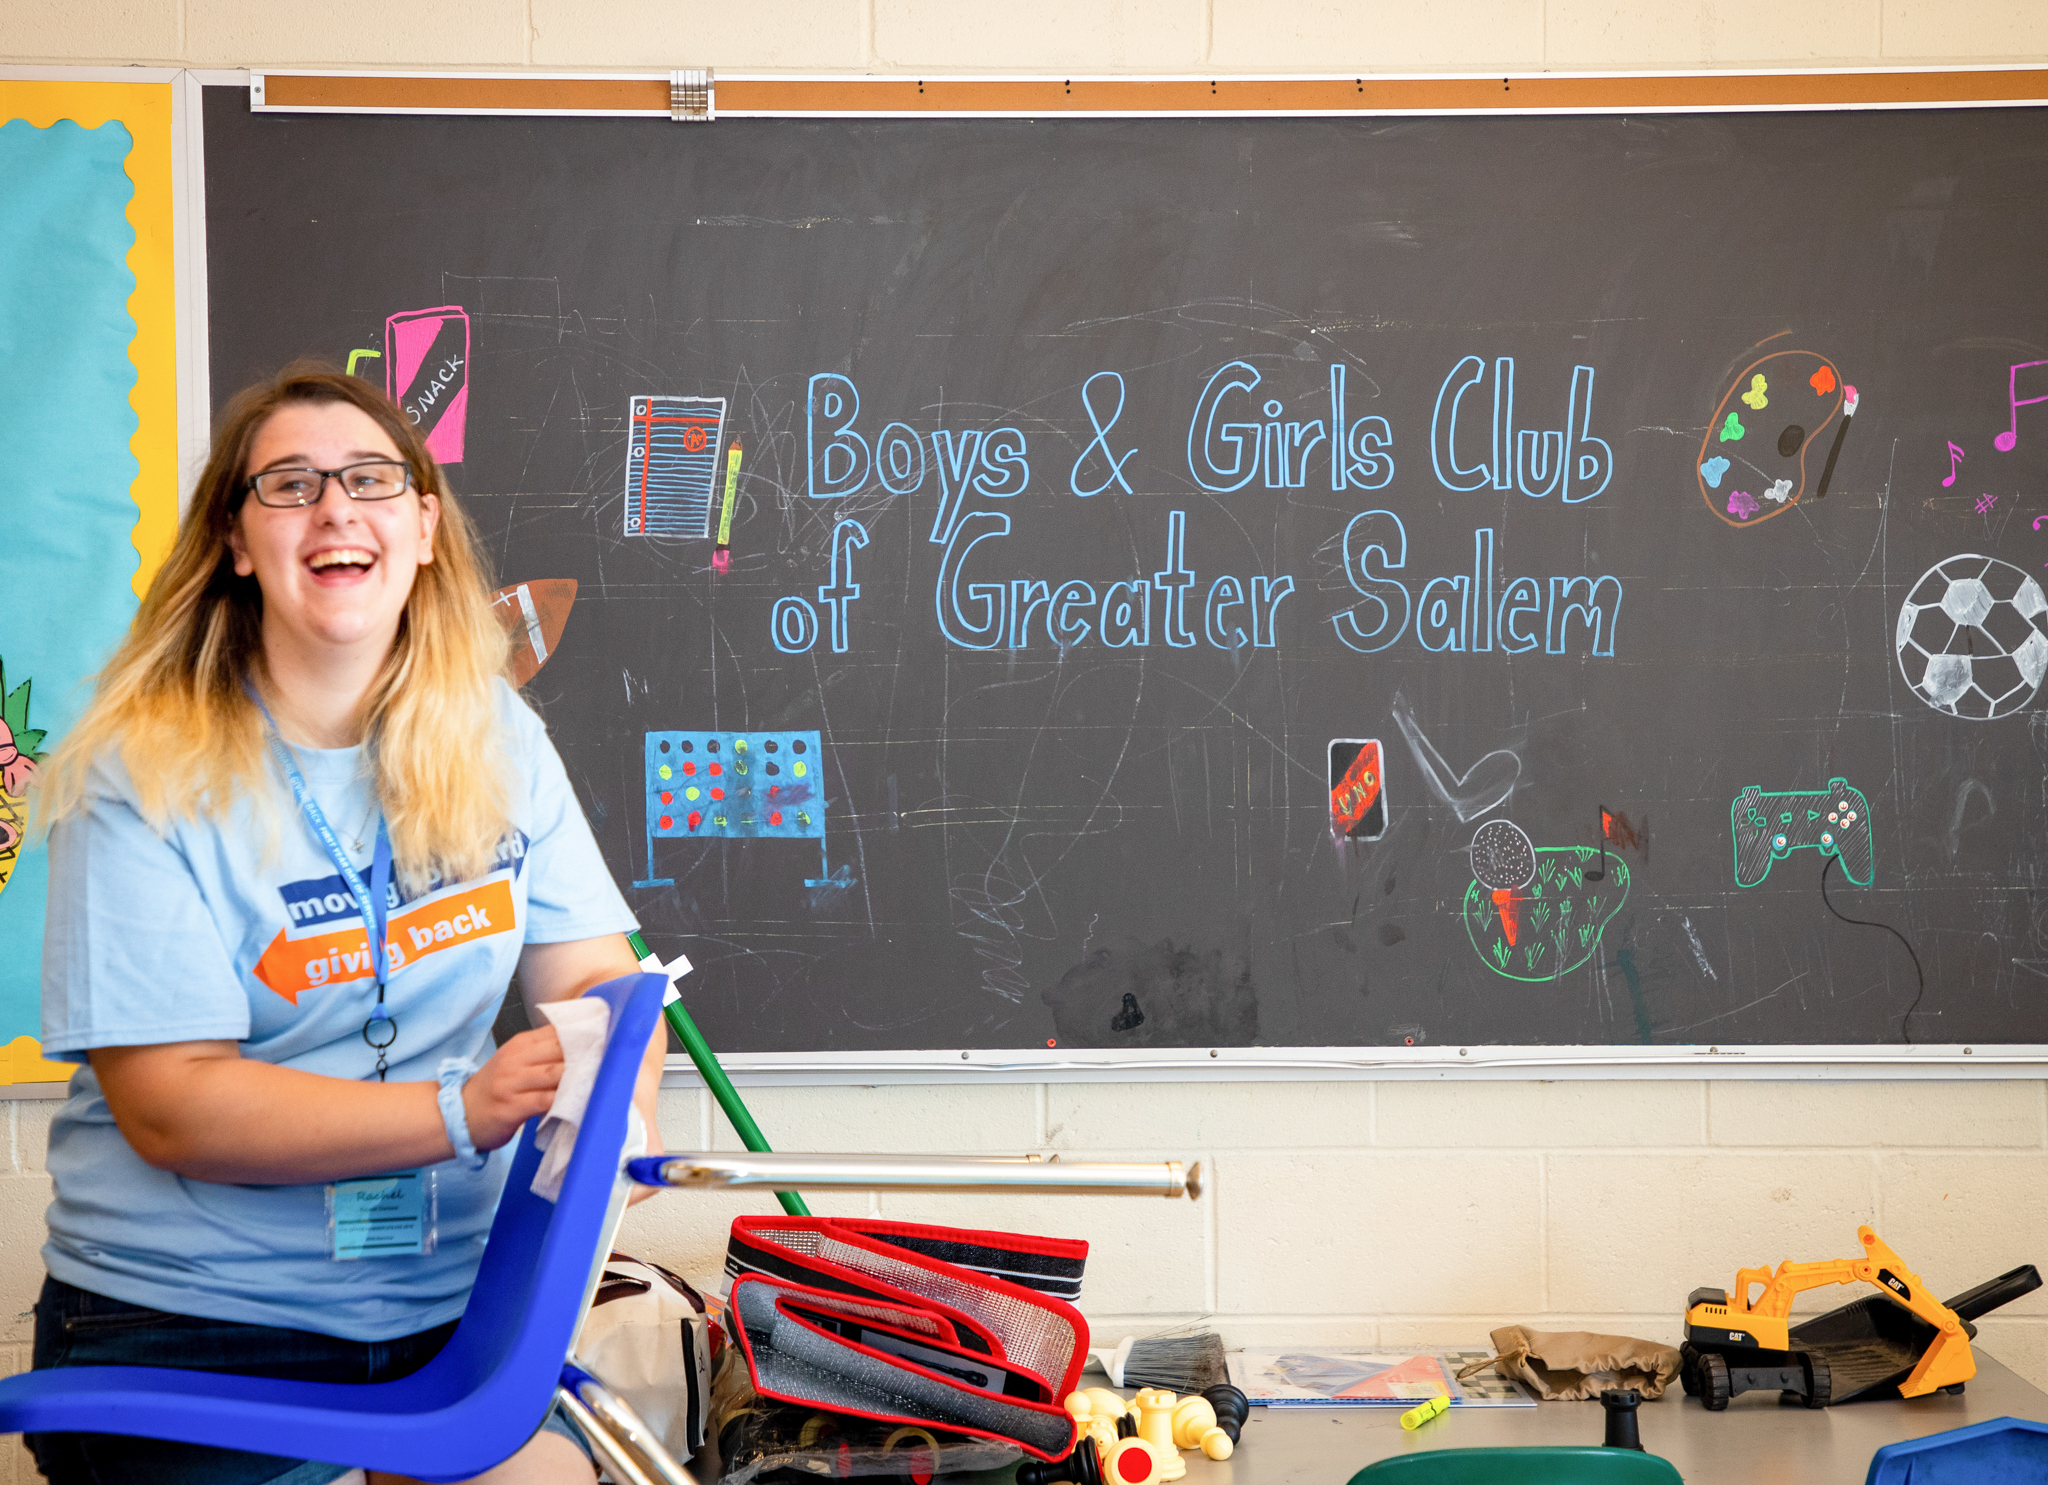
{"x":362,"y":831}
{"x":359,"y":838}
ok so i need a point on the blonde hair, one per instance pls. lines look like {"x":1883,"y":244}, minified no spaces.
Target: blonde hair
{"x":172,"y":701}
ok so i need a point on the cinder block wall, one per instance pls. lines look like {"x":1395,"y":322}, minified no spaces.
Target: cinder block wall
{"x":1427,"y":1214}
{"x":1395,"y":1213}
{"x":1051,"y":35}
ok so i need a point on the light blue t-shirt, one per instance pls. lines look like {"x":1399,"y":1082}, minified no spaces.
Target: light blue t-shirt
{"x":241,"y":932}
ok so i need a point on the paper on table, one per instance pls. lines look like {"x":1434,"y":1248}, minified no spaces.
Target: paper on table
{"x":1338,"y":1377}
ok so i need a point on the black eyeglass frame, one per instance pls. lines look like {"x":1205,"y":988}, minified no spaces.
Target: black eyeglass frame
{"x":249,"y":485}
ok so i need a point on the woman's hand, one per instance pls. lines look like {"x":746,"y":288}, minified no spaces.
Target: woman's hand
{"x":563,"y":970}
{"x":518,"y":1082}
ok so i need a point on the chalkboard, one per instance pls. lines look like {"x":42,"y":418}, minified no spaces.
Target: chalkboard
{"x":1228,"y":583}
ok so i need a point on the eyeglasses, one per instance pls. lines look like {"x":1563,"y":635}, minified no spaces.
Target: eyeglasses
{"x":376,"y":479}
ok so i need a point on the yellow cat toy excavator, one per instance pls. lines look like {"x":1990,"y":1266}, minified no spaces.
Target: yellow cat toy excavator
{"x":1744,"y":1345}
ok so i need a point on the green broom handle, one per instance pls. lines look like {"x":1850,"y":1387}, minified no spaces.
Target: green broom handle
{"x":713,"y":1075}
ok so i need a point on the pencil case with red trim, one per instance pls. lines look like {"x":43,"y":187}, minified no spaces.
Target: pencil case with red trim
{"x":909,"y":1323}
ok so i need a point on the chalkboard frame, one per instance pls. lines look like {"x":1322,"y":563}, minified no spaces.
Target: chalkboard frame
{"x":1818,"y":1062}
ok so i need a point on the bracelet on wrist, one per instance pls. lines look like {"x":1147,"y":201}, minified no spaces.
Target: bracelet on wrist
{"x":456,"y":1071}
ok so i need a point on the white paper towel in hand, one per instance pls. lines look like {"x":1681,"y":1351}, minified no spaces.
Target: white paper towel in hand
{"x":581,"y":1024}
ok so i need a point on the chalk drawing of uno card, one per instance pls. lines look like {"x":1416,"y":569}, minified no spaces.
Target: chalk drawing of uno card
{"x":672,"y":464}
{"x":426,"y":372}
{"x":1358,"y":789}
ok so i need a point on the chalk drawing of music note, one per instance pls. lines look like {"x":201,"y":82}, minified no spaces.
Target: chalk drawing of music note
{"x":1954,"y":454}
{"x":2008,"y":440}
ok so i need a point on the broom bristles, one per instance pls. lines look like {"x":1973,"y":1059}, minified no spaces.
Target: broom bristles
{"x":1179,"y":1363}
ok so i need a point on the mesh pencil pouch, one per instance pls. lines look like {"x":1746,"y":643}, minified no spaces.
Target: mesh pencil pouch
{"x":907,"y":1323}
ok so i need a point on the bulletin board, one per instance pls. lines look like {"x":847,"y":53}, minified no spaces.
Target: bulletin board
{"x":88,"y":437}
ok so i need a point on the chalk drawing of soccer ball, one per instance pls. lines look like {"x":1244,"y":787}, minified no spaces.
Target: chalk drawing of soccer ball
{"x":1973,"y":637}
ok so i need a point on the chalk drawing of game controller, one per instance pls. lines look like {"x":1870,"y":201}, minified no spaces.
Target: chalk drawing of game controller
{"x":1834,"y":821}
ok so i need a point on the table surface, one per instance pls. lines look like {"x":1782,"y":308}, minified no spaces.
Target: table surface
{"x":1758,"y":1441}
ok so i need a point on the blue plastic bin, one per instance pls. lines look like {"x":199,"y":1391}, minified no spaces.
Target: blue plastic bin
{"x":2004,"y":1451}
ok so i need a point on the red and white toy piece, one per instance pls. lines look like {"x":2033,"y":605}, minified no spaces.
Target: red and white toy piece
{"x":1132,"y":1462}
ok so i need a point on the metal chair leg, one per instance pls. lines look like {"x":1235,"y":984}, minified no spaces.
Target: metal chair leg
{"x":620,"y":1437}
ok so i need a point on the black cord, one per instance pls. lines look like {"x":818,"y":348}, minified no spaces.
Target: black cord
{"x":1905,"y":1028}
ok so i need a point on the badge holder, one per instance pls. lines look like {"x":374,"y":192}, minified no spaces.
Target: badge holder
{"x":394,"y":1216}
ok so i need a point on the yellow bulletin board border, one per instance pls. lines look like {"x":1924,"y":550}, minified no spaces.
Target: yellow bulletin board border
{"x":145,"y":109}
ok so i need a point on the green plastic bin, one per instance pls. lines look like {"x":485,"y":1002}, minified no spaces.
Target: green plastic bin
{"x":1562,"y":1464}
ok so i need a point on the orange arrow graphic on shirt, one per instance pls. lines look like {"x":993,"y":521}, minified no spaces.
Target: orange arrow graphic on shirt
{"x":292,"y":966}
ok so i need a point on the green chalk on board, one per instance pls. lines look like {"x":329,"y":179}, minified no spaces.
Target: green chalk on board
{"x":708,"y":1069}
{"x":732,"y":484}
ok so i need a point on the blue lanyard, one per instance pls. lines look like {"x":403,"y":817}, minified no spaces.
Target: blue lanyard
{"x":370,"y":900}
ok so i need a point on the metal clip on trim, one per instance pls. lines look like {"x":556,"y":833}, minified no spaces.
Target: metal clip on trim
{"x":692,"y":96}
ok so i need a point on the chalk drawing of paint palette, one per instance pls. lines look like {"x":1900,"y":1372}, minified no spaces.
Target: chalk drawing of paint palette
{"x":1551,"y":924}
{"x":1758,"y":458}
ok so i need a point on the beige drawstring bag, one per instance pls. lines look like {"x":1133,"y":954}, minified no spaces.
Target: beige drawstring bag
{"x":1574,"y":1365}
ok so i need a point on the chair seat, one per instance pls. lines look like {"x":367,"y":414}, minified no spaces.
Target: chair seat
{"x":391,"y":1426}
{"x":476,"y":1402}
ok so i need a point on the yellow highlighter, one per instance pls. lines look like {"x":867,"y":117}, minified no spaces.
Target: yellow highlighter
{"x":1416,"y":1417}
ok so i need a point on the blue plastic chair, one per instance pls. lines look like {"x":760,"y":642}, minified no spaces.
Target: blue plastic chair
{"x":2003,"y":1451}
{"x":491,"y":1386}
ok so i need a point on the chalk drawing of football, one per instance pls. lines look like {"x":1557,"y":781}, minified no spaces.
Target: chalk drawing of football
{"x":1973,"y":637}
{"x":534,"y":614}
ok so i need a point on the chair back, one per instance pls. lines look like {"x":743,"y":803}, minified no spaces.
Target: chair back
{"x":543,"y":1257}
{"x":1531,"y":1464}
{"x":476,"y":1402}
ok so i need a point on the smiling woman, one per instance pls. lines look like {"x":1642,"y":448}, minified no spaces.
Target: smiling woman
{"x":335,"y":572}
{"x":327,"y":650}
{"x":281,"y":1022}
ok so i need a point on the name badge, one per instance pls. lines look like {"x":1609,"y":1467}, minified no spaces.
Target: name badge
{"x":392,"y":1216}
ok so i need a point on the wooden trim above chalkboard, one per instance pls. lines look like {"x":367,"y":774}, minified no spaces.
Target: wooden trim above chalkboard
{"x":1867,"y":1063}
{"x":757,"y":95}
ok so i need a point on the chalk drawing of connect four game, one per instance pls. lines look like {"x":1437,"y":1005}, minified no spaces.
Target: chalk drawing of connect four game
{"x":737,"y":786}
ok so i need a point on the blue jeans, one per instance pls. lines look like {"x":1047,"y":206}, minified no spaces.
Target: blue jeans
{"x":75,"y":1327}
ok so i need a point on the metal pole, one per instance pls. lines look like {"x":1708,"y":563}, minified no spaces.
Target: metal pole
{"x":916,"y":1173}
{"x":631,"y":1449}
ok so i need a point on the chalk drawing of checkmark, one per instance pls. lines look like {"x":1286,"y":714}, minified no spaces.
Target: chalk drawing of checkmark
{"x":1484,"y":786}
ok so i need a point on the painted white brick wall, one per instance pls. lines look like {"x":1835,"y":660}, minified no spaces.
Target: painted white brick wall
{"x":1398,"y":1213}
{"x":1103,"y":36}
{"x":1429,"y":1213}
{"x":1393,"y":1214}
